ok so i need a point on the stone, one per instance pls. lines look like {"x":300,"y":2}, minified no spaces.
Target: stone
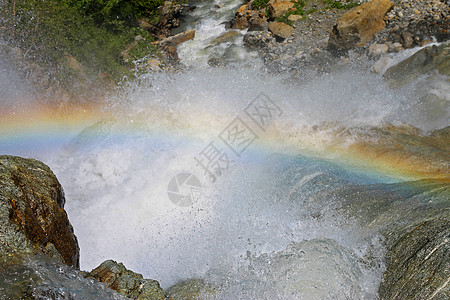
{"x":280,"y":30}
{"x":418,"y":263}
{"x":397,"y":47}
{"x":378,"y":49}
{"x":258,"y":24}
{"x":133,"y":285}
{"x":382,"y":65}
{"x":227,"y":36}
{"x":32,"y":216}
{"x":154,"y":64}
{"x":294,"y":18}
{"x":429,"y":60}
{"x":240,"y":23}
{"x":407,"y":39}
{"x":178,"y":38}
{"x":39,"y":277}
{"x":191,"y":289}
{"x":278,"y":9}
{"x":357,"y":26}
{"x":417,"y":256}
{"x":241,"y":10}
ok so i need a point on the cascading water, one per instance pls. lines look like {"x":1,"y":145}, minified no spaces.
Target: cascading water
{"x":268,"y":226}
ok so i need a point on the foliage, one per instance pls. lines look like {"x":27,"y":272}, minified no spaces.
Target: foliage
{"x":116,"y":12}
{"x":95,"y":32}
{"x":258,"y":4}
{"x":340,"y":5}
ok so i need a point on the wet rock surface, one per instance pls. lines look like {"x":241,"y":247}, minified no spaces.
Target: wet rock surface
{"x":428,"y":61}
{"x":42,"y":277}
{"x":32,"y":215}
{"x":191,"y":289}
{"x":416,"y":239}
{"x":126,"y":282}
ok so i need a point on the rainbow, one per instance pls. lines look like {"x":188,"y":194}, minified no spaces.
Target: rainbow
{"x":44,"y":127}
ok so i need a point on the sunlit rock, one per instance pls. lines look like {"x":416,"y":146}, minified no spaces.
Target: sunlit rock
{"x":127,"y":282}
{"x":32,"y":216}
{"x":357,"y":26}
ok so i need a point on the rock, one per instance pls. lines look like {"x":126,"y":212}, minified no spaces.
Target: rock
{"x":258,"y":24}
{"x":32,"y":216}
{"x":225,"y":37}
{"x":418,"y":263}
{"x":382,"y":65}
{"x":397,"y":47}
{"x":191,"y":289}
{"x":417,"y":255}
{"x":154,"y":64}
{"x":278,"y":9}
{"x":126,"y":282}
{"x":241,"y":10}
{"x":280,"y":30}
{"x":407,"y":39}
{"x":378,"y":49}
{"x":426,"y":61}
{"x":294,"y":18}
{"x":178,"y":39}
{"x":357,"y":26}
{"x":258,"y":41}
{"x":40,"y":277}
{"x":240,"y":23}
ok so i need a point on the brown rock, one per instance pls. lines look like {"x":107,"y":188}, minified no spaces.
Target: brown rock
{"x":258,"y":24}
{"x":32,"y":216}
{"x":241,"y":10}
{"x":279,"y":9}
{"x":241,"y":23}
{"x":357,"y":26}
{"x":407,"y":39}
{"x":227,"y":36}
{"x":280,"y":30}
{"x":179,"y":38}
{"x":294,"y":18}
{"x":133,"y":285}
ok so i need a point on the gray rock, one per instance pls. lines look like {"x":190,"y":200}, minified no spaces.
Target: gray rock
{"x":191,"y":289}
{"x":426,"y":61}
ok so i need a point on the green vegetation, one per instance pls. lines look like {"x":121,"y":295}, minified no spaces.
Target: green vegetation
{"x":300,"y":8}
{"x":339,"y":5}
{"x":94,"y":32}
{"x":258,"y":4}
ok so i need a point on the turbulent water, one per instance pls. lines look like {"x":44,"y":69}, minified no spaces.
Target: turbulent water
{"x":265,"y":225}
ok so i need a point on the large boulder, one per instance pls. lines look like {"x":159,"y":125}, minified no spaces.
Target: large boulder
{"x":32,"y":216}
{"x":418,"y":261}
{"x":191,"y":289}
{"x":417,"y":255}
{"x":126,"y":282}
{"x":280,"y":30}
{"x":430,"y":60}
{"x":278,"y":9}
{"x":357,"y":26}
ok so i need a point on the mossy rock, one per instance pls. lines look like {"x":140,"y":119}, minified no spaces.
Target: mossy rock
{"x":191,"y":289}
